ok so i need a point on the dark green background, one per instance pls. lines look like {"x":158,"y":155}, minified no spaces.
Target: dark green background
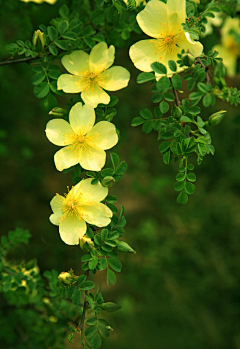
{"x":181,"y":289}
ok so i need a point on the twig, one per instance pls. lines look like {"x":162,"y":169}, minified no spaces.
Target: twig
{"x":206,"y":69}
{"x":28,"y":59}
{"x":85,"y":306}
{"x":175,"y":94}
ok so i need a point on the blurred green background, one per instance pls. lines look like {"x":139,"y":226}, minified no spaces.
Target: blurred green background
{"x":182,"y":288}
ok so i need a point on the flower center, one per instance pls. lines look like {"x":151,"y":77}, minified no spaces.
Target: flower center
{"x":71,"y":206}
{"x":90,"y":79}
{"x":167,"y":42}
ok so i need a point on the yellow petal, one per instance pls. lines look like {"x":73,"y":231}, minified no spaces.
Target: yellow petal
{"x":176,"y":14}
{"x":54,"y":219}
{"x":103,"y":135}
{"x":194,"y":47}
{"x":71,"y":83}
{"x":99,"y":58}
{"x":89,"y":191}
{"x":82,"y":118}
{"x":59,"y":132}
{"x":66,"y":157}
{"x":94,"y":96}
{"x":71,"y":230}
{"x":92,"y":158}
{"x":114,"y":78}
{"x":97,"y":214}
{"x":77,"y":62}
{"x":229,"y":59}
{"x":56,"y":205}
{"x":144,"y":53}
{"x":111,"y":56}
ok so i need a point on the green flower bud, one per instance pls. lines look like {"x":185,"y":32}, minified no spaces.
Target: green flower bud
{"x":85,"y":243}
{"x":109,"y":306}
{"x":39,"y":40}
{"x":108,"y":181}
{"x":66,"y":278}
{"x":176,"y":112}
{"x":216,"y":118}
{"x":58,"y":112}
{"x":188,"y":59}
{"x":124,"y":247}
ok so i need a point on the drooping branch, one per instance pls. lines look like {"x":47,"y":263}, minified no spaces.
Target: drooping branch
{"x":206,"y":69}
{"x":22,"y":60}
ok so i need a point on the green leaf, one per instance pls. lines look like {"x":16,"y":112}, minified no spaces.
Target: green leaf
{"x":194,"y":110}
{"x":145,"y":77}
{"x":207,"y":100}
{"x":50,"y":102}
{"x":112,"y":14}
{"x":180,"y":177}
{"x":102,"y":264}
{"x":96,"y":342}
{"x":164,"y":107}
{"x":103,"y":332}
{"x":93,"y":263}
{"x":52,"y":33}
{"x":115,"y":264}
{"x":111,"y":199}
{"x":70,"y":35}
{"x":146,"y":114}
{"x":191,"y":177}
{"x":62,"y":44}
{"x":87,"y":285}
{"x":104,"y":234}
{"x":179,"y":186}
{"x":111,"y":278}
{"x":41,"y":90}
{"x":92,"y":321}
{"x":191,"y":84}
{"x":62,"y":26}
{"x":115,"y":159}
{"x":182,"y":198}
{"x":122,"y":167}
{"x":164,"y":146}
{"x":190,"y":167}
{"x":177,"y":81}
{"x":38,"y":77}
{"x":157,"y":98}
{"x":103,"y":322}
{"x":169,"y":97}
{"x":166,"y":157}
{"x":172,"y":65}
{"x":159,"y":68}
{"x":76,"y":297}
{"x":89,"y":41}
{"x":64,"y":11}
{"x":189,"y":188}
{"x":90,"y":331}
{"x":53,"y":50}
{"x":137,"y":121}
{"x":147,"y":126}
{"x":97,"y":16}
{"x":163,"y":84}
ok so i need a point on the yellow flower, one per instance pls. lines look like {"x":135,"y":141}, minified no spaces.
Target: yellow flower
{"x":80,"y":205}
{"x":90,"y":74}
{"x":163,"y":23}
{"x":229,"y":50}
{"x":83,"y":143}
{"x":41,"y":1}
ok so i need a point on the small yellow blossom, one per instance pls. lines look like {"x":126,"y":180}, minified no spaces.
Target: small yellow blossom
{"x":90,"y":74}
{"x":163,"y":23}
{"x":41,"y":1}
{"x":229,"y":50}
{"x":83,"y":143}
{"x":83,"y":241}
{"x":82,"y":204}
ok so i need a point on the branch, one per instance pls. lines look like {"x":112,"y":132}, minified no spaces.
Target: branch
{"x":28,"y":59}
{"x":85,"y":306}
{"x":175,"y":94}
{"x":206,"y":69}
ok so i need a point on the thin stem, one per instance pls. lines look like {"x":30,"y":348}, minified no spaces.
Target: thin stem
{"x":28,"y":59}
{"x":175,"y":94}
{"x":85,"y":306}
{"x":206,"y":69}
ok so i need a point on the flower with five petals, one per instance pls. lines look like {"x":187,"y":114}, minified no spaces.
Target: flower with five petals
{"x":83,"y":143}
{"x":163,"y":23}
{"x":82,"y":204}
{"x":91,"y":74}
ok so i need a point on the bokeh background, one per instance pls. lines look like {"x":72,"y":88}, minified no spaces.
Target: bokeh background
{"x":182,"y":288}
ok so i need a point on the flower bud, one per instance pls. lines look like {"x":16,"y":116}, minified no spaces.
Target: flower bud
{"x":216,"y":118}
{"x":66,"y":278}
{"x":39,"y":40}
{"x":176,"y":112}
{"x":108,"y":181}
{"x":110,"y":306}
{"x":188,"y":59}
{"x":124,"y":247}
{"x":85,"y":241}
{"x":58,"y":112}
